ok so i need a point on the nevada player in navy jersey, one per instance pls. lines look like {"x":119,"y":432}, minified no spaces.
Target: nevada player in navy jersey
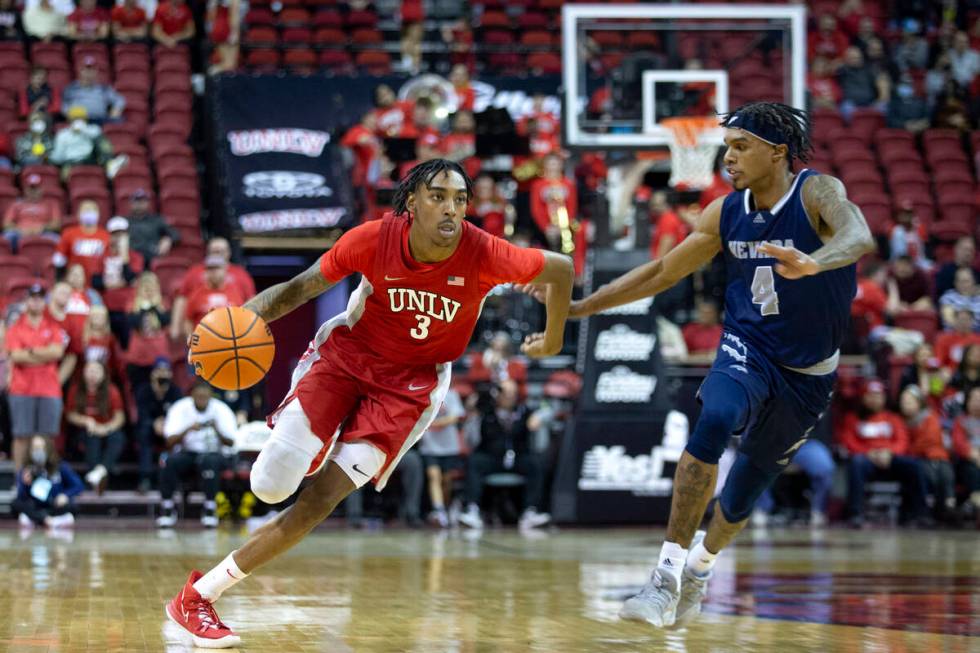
{"x":790,"y":243}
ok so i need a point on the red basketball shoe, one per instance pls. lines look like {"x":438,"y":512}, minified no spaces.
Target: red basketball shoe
{"x":197,"y":616}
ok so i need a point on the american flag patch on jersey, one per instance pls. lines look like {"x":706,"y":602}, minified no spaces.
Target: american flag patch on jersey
{"x":455,"y":281}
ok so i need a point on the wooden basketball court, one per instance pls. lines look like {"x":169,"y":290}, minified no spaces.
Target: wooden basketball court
{"x":104,"y":588}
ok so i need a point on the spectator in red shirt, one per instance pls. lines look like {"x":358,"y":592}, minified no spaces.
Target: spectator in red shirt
{"x":95,"y":407}
{"x":88,"y":22}
{"x":147,"y":339}
{"x":172,"y":23}
{"x":870,"y":300}
{"x":876,"y":441}
{"x":363,"y":142}
{"x":908,"y":288}
{"x":76,"y":277}
{"x":59,"y":303}
{"x":31,"y":215}
{"x":460,"y":144}
{"x":827,"y":40}
{"x":668,"y":229}
{"x":223,"y":28}
{"x":489,"y":210}
{"x":115,"y":280}
{"x":459,"y":77}
{"x":545,"y":122}
{"x":129,"y":22}
{"x":822,"y":84}
{"x":195,"y":278}
{"x":218,"y":291}
{"x":38,"y":96}
{"x":391,"y":112}
{"x":35,"y":345}
{"x":704,"y":334}
{"x":98,"y":344}
{"x":950,"y":345}
{"x":966,"y":446}
{"x":926,"y":444}
{"x":85,"y":243}
{"x":549,"y":194}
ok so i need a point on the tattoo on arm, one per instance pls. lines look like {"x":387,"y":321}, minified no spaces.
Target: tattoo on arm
{"x":278,"y":300}
{"x":826,"y":197}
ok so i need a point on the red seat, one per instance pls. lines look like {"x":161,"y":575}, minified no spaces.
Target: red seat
{"x":367,"y":37}
{"x":889,"y":135}
{"x":5,"y":249}
{"x":38,"y":250}
{"x":957,"y":211}
{"x":545,"y":62}
{"x":498,"y":37}
{"x":642,"y":40}
{"x":493,"y":18}
{"x":262,"y":58}
{"x":15,"y":266}
{"x":299,"y":58}
{"x":8,"y":195}
{"x":257,"y":36}
{"x":952,"y":227}
{"x":537,"y":38}
{"x":925,"y":322}
{"x":173,"y":101}
{"x":328,"y":18}
{"x":81,"y":174}
{"x":170,"y":271}
{"x":16,"y":287}
{"x":180,"y":210}
{"x":865,"y":122}
{"x":335,"y":60}
{"x":374,"y":62}
{"x":825,"y":120}
{"x":259,"y":16}
{"x":294,"y":16}
{"x":48,"y":173}
{"x":297,"y":37}
{"x":362,"y":18}
{"x":533,"y":20}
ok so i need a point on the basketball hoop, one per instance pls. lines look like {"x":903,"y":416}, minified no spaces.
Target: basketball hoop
{"x":693,"y":143}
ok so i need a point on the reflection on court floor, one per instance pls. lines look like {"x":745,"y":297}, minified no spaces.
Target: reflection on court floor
{"x":419,"y":591}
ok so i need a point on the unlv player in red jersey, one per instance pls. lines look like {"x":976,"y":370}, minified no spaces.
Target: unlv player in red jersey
{"x":373,"y":378}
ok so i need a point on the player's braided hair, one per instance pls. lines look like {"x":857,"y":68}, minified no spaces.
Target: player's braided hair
{"x":424,"y":173}
{"x":793,"y":123}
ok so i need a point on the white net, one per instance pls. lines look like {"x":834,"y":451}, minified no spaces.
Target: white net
{"x":694,"y":143}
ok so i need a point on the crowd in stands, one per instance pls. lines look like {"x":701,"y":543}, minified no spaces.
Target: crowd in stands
{"x":105,"y":286}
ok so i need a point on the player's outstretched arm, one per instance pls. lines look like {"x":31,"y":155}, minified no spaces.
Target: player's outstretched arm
{"x":278,"y":300}
{"x":825,"y":198}
{"x":657,"y":276}
{"x":557,"y":278}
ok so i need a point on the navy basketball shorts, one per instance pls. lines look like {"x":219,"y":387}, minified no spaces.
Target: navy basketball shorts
{"x":784,"y":405}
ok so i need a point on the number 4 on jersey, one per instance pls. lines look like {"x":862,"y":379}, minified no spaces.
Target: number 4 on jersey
{"x":764,"y":290}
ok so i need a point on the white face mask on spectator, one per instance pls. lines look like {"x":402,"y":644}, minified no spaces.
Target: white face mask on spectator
{"x":39,"y":457}
{"x":38,"y":126}
{"x":78,"y":124}
{"x":89,"y":218}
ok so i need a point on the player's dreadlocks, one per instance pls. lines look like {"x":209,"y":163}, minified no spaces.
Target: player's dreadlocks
{"x":792,"y":123}
{"x":424,"y":173}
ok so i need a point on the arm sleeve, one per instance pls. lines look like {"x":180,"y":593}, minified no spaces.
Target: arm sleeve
{"x":353,"y":252}
{"x":506,"y":263}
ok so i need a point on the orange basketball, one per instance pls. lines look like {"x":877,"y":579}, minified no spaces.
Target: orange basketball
{"x":232,"y":348}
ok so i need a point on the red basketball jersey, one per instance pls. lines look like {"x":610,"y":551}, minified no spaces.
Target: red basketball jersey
{"x":419,"y":313}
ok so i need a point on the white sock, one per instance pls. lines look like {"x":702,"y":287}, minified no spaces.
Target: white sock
{"x":222,"y":577}
{"x":671,"y":562}
{"x":700,"y":560}
{"x":168,"y":504}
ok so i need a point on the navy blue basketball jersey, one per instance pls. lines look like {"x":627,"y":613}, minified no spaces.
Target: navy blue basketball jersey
{"x":796,"y":323}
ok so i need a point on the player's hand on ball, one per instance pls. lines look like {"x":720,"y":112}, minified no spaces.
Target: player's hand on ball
{"x":793,"y":264}
{"x":536,"y":346}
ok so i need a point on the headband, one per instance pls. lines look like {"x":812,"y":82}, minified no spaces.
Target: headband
{"x":761,"y":130}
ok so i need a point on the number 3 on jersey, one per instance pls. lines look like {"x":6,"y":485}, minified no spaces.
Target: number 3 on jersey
{"x":764,"y":290}
{"x":421,"y":332}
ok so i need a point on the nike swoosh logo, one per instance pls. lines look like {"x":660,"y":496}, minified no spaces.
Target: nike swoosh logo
{"x":387,"y":278}
{"x":358,"y":470}
{"x":418,"y":387}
